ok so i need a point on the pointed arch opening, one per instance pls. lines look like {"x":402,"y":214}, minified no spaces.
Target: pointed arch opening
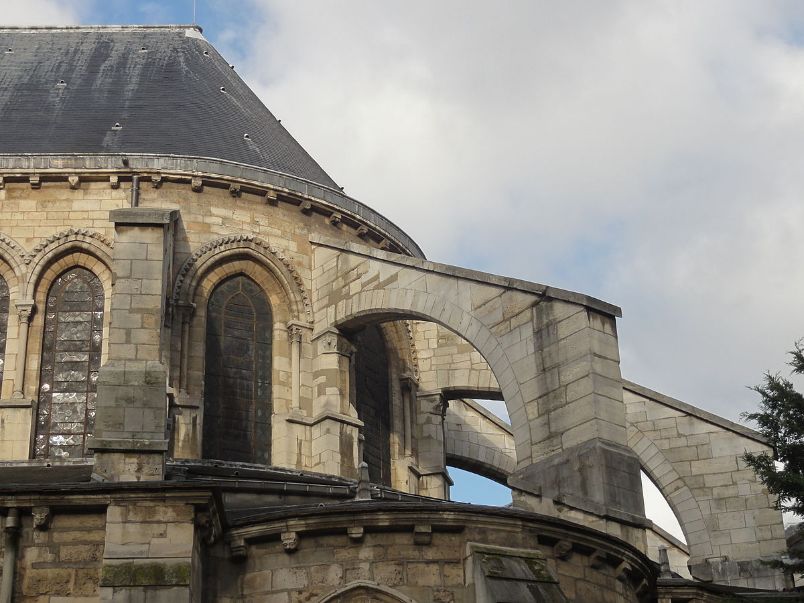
{"x":237,"y":375}
{"x":71,"y":356}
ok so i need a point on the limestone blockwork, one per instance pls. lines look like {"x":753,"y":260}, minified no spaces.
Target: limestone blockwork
{"x":223,"y":379}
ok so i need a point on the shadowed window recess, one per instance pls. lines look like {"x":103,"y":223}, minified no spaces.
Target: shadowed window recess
{"x":372,"y":391}
{"x":237,"y":382}
{"x":71,"y":357}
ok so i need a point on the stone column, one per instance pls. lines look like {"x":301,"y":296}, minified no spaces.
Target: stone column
{"x":430,"y":438}
{"x":334,"y":425}
{"x":130,"y":437}
{"x":25,"y":311}
{"x":16,"y":412}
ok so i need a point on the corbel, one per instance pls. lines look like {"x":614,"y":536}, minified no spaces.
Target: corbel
{"x":306,"y":207}
{"x":234,"y":190}
{"x":75,"y":182}
{"x":422,"y":534}
{"x":238,"y":549}
{"x":156,"y":180}
{"x":562,"y":550}
{"x":41,"y":518}
{"x":355,"y":533}
{"x":271,"y":198}
{"x":290,"y":541}
{"x":597,"y":560}
{"x":2,"y":183}
{"x":335,"y":219}
{"x":196,"y":184}
{"x":114,"y":181}
{"x":36,"y":181}
{"x":385,"y":245}
{"x":362,"y":232}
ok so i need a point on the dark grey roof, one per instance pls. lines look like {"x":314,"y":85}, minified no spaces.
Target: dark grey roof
{"x":161,"y":84}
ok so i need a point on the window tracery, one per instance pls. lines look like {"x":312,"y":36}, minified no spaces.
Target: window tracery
{"x":71,"y":357}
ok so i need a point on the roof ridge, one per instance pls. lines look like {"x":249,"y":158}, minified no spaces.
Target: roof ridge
{"x":51,"y":28}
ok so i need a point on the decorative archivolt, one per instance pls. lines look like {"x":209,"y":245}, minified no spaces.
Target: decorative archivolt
{"x":213,"y":251}
{"x":13,"y":254}
{"x":70,"y":235}
{"x":360,"y":590}
{"x":71,"y":240}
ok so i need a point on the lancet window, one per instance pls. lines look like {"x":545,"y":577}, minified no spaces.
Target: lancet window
{"x":237,"y":381}
{"x":71,"y":357}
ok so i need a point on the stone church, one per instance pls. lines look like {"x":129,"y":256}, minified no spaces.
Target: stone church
{"x":223,"y":379}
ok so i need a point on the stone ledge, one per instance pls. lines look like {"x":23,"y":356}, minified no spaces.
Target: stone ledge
{"x":16,"y":403}
{"x":143,"y":215}
{"x":133,"y":445}
{"x":334,"y":416}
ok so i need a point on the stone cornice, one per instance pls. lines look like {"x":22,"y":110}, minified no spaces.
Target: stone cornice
{"x":65,"y":165}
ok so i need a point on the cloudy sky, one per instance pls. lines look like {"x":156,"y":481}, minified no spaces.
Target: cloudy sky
{"x":649,"y":154}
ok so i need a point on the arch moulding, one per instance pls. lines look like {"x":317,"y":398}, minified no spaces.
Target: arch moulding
{"x":239,"y":246}
{"x":389,"y":595}
{"x":73,"y":240}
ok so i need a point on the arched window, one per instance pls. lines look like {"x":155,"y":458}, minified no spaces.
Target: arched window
{"x":373,"y":402}
{"x":71,"y":354}
{"x":4,"y":300}
{"x":237,"y":374}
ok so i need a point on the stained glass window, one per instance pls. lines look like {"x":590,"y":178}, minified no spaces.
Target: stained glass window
{"x":71,"y":353}
{"x":4,"y":300}
{"x":237,"y":381}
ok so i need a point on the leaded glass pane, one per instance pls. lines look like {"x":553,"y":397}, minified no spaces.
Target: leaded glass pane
{"x":70,"y":363}
{"x":4,"y":302}
{"x":237,"y":382}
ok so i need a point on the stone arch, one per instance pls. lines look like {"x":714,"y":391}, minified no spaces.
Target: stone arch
{"x":681,"y":500}
{"x":12,"y":262}
{"x":56,"y":260}
{"x":205,"y":277}
{"x":233,"y":247}
{"x":13,"y":273}
{"x":477,"y":441}
{"x":352,"y":592}
{"x":78,"y":242}
{"x":400,"y":304}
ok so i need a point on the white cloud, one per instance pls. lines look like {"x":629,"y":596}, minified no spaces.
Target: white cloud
{"x":646,"y":153}
{"x":40,"y":12}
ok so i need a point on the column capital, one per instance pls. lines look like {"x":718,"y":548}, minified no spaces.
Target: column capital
{"x":25,"y":309}
{"x":332,"y":341}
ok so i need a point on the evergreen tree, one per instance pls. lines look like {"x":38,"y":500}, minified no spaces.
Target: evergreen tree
{"x":781,"y":420}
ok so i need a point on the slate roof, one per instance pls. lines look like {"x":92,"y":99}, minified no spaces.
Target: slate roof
{"x":62,"y":90}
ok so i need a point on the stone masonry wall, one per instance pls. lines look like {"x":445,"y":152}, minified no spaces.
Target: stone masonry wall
{"x":62,"y":562}
{"x":426,"y":572}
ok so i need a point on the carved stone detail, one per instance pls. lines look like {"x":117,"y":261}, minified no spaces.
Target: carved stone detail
{"x":197,"y":185}
{"x":422,"y":534}
{"x":156,"y":180}
{"x":234,"y":190}
{"x":114,"y":181}
{"x":41,"y":518}
{"x":75,"y":182}
{"x":414,"y":352}
{"x":290,"y":541}
{"x":57,"y":239}
{"x":36,"y":182}
{"x":243,"y":240}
